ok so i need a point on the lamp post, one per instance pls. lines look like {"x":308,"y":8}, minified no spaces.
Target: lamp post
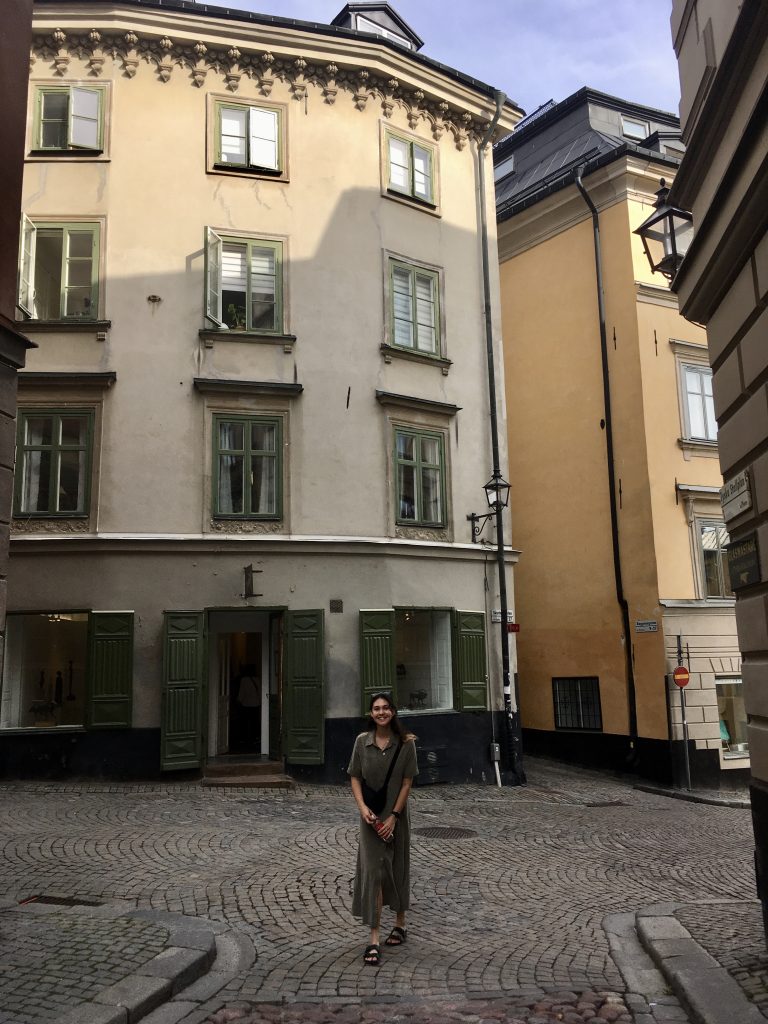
{"x":497,"y":495}
{"x":666,"y":234}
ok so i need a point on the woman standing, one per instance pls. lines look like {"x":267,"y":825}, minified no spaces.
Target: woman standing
{"x":384,"y":755}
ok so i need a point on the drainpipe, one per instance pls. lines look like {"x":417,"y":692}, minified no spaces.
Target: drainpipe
{"x":621,"y":599}
{"x":511,"y":714}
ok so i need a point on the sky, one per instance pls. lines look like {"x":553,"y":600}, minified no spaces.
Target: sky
{"x":534,"y":51}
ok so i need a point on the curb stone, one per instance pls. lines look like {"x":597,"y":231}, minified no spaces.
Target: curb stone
{"x":741,"y":803}
{"x":706,"y":989}
{"x":158,"y":992}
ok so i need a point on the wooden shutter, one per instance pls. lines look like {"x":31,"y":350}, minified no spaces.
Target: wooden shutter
{"x":110,"y":670}
{"x":213,"y":257}
{"x":84,"y":118}
{"x":28,"y":239}
{"x":181,"y":739}
{"x":303,"y":688}
{"x":377,"y":654}
{"x":469,"y":664}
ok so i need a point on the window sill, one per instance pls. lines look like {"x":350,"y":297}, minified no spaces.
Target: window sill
{"x":48,"y":517}
{"x":64,"y":154}
{"x":390,"y":352}
{"x":39,"y":729}
{"x":696,"y":447}
{"x":64,"y":326}
{"x":415,"y":402}
{"x":223,"y":518}
{"x":263,"y":173}
{"x":401,"y":711}
{"x":208,"y":336}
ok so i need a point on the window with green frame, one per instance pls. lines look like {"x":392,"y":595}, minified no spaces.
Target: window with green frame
{"x":53,"y":465}
{"x":59,"y":270}
{"x":410,"y":168}
{"x":414,"y":307}
{"x":244,"y":283}
{"x":419,"y":474}
{"x":247,"y":467}
{"x":248,"y":137}
{"x":69,"y":118}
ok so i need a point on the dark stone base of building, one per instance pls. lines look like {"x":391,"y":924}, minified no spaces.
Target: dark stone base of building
{"x":59,"y":753}
{"x":758,"y":792}
{"x":658,"y":761}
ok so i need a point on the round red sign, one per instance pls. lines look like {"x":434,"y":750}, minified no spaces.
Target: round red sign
{"x":681,"y":675}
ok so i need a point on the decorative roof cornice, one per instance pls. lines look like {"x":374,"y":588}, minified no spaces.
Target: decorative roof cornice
{"x":132,"y":48}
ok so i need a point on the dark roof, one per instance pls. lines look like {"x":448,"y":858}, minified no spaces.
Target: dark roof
{"x":230,"y":14}
{"x":549,"y":148}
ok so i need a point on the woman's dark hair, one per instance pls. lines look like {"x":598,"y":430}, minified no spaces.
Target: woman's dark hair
{"x":394,"y":723}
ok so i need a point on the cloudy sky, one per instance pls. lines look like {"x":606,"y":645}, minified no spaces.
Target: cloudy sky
{"x":535,"y":51}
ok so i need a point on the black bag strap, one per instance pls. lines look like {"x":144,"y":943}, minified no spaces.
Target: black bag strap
{"x":391,"y":766}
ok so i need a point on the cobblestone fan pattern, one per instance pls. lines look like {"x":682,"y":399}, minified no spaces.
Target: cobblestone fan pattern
{"x":733,"y":934}
{"x":516,"y":909}
{"x":53,"y":962}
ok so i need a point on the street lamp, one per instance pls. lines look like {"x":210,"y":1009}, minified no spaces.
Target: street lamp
{"x":666,"y":234}
{"x":497,"y":495}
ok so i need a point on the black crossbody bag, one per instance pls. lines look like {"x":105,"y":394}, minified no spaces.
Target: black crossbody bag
{"x":376,"y":799}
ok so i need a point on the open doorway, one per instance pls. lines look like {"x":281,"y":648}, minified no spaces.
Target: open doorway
{"x":244,"y":673}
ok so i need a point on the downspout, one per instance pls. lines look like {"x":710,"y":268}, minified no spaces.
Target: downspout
{"x":511,"y":715}
{"x":620,"y":597}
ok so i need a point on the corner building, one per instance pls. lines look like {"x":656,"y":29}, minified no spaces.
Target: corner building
{"x":257,"y":417}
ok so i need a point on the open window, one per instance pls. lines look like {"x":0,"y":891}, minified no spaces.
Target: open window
{"x":244,"y":283}
{"x":59,"y":270}
{"x":69,"y":119}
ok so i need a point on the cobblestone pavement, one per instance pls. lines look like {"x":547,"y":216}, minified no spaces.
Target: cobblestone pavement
{"x":733,"y":934}
{"x":514,"y":911}
{"x":52,"y":962}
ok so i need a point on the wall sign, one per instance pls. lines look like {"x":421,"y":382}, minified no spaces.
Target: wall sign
{"x":735,"y":496}
{"x":744,"y":561}
{"x":646,"y":626}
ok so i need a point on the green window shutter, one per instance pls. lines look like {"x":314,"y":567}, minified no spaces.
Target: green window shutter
{"x":27,"y":265}
{"x":377,"y":654}
{"x":469,"y":665}
{"x":213,"y":258}
{"x":303,"y":688}
{"x":110,"y":670}
{"x":181,"y":739}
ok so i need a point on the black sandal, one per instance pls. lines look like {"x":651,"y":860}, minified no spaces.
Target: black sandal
{"x":397,"y":937}
{"x":372,"y":956}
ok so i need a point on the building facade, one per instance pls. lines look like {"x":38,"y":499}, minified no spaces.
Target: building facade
{"x":722,"y":53}
{"x":258,"y":413}
{"x":613,"y":452}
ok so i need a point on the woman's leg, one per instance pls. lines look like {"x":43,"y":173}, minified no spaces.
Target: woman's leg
{"x":375,"y":930}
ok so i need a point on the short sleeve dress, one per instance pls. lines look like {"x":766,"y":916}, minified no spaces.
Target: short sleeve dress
{"x":380,"y":865}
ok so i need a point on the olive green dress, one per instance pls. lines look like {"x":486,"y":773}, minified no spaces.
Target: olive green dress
{"x":380,"y":865}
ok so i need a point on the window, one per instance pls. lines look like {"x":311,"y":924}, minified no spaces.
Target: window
{"x":633,"y":129}
{"x":733,"y":717}
{"x":504,"y":167}
{"x":419,"y":470}
{"x":714,"y":538}
{"x":700,"y":421}
{"x":577,"y":703}
{"x":53,"y":462}
{"x":422,"y":646}
{"x":244,"y":283}
{"x":247,"y":467}
{"x":58,"y":270}
{"x":431,"y":659}
{"x":366,"y":25}
{"x":415,"y":308}
{"x":248,"y":137}
{"x":69,"y":119}
{"x":410,"y":168}
{"x":67,"y":668}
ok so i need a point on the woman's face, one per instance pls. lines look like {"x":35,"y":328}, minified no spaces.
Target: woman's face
{"x":381,"y":711}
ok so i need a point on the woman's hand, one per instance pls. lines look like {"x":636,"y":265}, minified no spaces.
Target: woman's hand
{"x":389,"y":827}
{"x":367,"y":815}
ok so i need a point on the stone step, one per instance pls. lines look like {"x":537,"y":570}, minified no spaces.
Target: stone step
{"x":236,"y":766}
{"x":251,"y":781}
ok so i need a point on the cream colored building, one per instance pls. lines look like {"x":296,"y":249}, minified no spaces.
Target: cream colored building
{"x":722,"y":52}
{"x":258,"y":414}
{"x":613,"y":453}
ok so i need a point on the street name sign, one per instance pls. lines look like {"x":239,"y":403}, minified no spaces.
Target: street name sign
{"x":735,"y":496}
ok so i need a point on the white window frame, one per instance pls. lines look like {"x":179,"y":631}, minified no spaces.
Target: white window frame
{"x":633,"y":135}
{"x":695,"y":356}
{"x":707,"y":409}
{"x":366,"y":25}
{"x":702,"y":522}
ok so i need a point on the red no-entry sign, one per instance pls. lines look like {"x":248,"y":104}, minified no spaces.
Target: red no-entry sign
{"x":681,"y":676}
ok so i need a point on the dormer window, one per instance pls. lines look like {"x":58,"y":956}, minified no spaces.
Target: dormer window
{"x":366,"y":25}
{"x":504,"y":167}
{"x":633,"y":129}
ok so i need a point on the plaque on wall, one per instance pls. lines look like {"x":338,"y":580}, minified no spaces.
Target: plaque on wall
{"x":743,"y":561}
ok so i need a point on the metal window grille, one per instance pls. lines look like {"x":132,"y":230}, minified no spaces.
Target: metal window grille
{"x":577,"y":703}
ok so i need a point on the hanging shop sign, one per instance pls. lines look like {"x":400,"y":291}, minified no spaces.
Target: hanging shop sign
{"x":743,"y":561}
{"x":735,"y":496}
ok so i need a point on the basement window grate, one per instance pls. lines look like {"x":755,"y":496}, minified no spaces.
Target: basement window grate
{"x":446,"y":833}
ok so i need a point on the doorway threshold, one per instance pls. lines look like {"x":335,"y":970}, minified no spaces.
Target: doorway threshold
{"x":254,"y":771}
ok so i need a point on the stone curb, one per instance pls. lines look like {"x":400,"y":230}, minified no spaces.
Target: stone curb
{"x":708,"y":992}
{"x":170,"y":985}
{"x":694,"y":798}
